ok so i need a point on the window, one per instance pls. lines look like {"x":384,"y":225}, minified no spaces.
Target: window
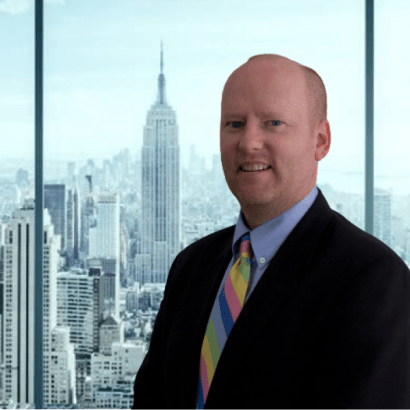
{"x":392,"y":127}
{"x":102,"y":81}
{"x":16,"y":176}
{"x":103,"y":133}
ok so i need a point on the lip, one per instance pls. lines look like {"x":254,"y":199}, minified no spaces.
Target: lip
{"x":253,"y":172}
{"x":251,"y":164}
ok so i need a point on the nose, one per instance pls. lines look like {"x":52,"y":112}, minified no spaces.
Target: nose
{"x":251,"y":138}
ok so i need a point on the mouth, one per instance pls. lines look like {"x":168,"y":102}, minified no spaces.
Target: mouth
{"x":255,"y":168}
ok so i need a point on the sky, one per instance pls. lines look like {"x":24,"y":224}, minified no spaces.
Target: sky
{"x":102,"y":59}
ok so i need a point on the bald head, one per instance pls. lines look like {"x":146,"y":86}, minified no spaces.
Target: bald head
{"x":315,"y":87}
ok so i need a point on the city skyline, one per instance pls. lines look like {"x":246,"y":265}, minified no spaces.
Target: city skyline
{"x":99,"y":87}
{"x":205,"y":203}
{"x":130,"y":180}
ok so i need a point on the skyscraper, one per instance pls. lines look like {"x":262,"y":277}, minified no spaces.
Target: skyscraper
{"x":105,"y":239}
{"x":94,"y":272}
{"x":19,"y":308}
{"x":54,"y":201}
{"x":19,"y":311}
{"x":88,"y":216}
{"x":160,"y":188}
{"x":73,"y":231}
{"x":75,"y":310}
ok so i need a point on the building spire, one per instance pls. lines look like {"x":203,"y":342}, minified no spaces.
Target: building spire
{"x":162,"y":60}
{"x":161,"y":82}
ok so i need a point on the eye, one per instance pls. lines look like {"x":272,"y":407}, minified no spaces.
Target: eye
{"x":275,"y":122}
{"x":235,"y":124}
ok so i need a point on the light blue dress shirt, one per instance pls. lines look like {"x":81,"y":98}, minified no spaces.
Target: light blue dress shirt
{"x":267,"y":238}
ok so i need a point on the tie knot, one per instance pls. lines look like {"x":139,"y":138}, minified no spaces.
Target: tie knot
{"x":245,"y":248}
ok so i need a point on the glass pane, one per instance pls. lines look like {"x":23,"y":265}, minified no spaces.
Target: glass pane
{"x":16,"y":204}
{"x":132,"y":165}
{"x":392,"y":126}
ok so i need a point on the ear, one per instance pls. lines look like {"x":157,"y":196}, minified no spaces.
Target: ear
{"x":322,"y":138}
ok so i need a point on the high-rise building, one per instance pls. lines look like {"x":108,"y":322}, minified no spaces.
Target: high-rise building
{"x":113,"y":375}
{"x":105,"y":238}
{"x":19,"y":308}
{"x":160,"y":187}
{"x":108,"y":283}
{"x":88,"y":217}
{"x":131,"y":298}
{"x":73,"y":225}
{"x":3,"y":227}
{"x":110,"y":331}
{"x":94,"y":272}
{"x":61,"y":369}
{"x":22,"y":178}
{"x":75,"y":307}
{"x":19,"y":285}
{"x":124,"y":252}
{"x":75,"y":310}
{"x":54,"y":201}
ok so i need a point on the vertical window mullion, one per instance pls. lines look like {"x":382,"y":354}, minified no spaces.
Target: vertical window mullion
{"x":369,"y":108}
{"x":38,"y":219}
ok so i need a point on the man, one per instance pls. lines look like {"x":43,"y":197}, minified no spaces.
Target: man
{"x":294,"y":306}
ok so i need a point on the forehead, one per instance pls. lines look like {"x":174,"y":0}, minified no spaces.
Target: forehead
{"x":266,"y":84}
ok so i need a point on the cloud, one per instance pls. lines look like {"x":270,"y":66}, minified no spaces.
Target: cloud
{"x":21,"y":6}
{"x":15,"y":6}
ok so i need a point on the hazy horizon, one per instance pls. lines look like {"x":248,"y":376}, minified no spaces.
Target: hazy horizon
{"x":101,"y":67}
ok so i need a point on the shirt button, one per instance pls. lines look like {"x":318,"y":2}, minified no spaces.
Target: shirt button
{"x":262,"y":260}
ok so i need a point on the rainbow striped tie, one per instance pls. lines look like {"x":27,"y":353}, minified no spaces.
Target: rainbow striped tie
{"x":223,"y":316}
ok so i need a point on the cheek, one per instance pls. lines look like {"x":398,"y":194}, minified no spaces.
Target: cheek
{"x":226,"y":161}
{"x":228,"y":153}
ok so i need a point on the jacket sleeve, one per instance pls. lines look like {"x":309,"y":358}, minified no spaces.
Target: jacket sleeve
{"x":364,"y":359}
{"x":149,"y":390}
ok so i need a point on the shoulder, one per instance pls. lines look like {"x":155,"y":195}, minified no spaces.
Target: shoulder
{"x":355,"y":253}
{"x":209,"y":242}
{"x":333,"y":243}
{"x":357,"y":243}
{"x":195,"y":259}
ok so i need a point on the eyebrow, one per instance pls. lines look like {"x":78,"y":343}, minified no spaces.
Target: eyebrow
{"x":258,"y":113}
{"x":263,"y":114}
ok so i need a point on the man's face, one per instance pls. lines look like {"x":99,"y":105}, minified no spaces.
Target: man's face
{"x":265,"y":121}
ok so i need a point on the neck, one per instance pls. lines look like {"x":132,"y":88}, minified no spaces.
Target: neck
{"x":257,"y":214}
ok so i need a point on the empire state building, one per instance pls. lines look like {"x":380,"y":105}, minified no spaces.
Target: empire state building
{"x":160,"y":188}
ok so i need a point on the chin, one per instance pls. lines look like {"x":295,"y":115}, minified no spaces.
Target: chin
{"x":253,"y":200}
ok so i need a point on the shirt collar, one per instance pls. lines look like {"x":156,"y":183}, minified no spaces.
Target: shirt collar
{"x":269,"y":236}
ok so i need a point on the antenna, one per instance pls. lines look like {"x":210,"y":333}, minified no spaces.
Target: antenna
{"x":162,"y":59}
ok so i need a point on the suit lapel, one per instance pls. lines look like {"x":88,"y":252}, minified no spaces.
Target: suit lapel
{"x":206,"y":284}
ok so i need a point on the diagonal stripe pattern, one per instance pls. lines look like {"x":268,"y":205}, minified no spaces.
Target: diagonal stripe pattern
{"x":223,"y":316}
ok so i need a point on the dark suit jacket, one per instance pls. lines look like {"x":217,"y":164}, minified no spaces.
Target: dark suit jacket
{"x":327,"y":325}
